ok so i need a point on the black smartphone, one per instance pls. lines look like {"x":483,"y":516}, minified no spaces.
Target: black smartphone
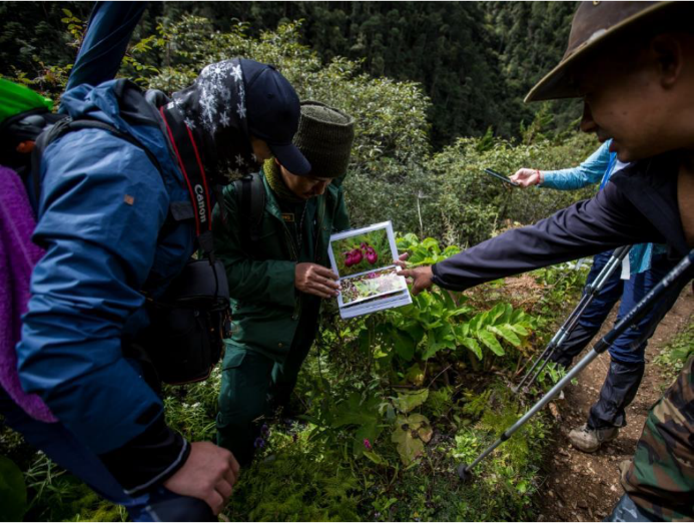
{"x":501,"y":177}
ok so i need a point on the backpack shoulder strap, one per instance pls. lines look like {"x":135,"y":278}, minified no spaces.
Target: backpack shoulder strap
{"x":42,"y":142}
{"x":250,"y":192}
{"x":65,"y":126}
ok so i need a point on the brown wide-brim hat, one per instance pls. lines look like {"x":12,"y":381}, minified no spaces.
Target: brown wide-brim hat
{"x":595,"y":24}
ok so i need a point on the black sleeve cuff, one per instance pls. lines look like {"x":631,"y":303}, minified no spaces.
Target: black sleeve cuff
{"x":441,"y":282}
{"x":149,"y":459}
{"x":435,"y":276}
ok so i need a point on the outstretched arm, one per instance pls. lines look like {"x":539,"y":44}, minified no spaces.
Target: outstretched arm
{"x":588,"y":227}
{"x":590,"y":171}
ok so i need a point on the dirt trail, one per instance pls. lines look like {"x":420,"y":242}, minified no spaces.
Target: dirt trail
{"x":585,"y":487}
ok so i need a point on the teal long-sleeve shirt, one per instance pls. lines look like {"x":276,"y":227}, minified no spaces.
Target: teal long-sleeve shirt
{"x":596,"y":168}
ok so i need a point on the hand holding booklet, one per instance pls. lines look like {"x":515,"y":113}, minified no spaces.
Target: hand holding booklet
{"x":364,"y":259}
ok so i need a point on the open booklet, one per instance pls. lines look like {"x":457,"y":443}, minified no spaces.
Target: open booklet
{"x":363,"y":260}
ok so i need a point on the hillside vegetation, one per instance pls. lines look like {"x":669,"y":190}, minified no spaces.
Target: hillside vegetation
{"x":388,"y":404}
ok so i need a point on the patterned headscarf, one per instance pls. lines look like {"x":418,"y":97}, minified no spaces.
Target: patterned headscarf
{"x":214,"y":108}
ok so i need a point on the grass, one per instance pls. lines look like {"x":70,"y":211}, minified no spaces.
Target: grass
{"x":316,"y":469}
{"x":673,"y":357}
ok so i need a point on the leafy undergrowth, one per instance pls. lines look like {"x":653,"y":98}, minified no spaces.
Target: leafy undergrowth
{"x":48,"y":492}
{"x":393,"y":403}
{"x":387,"y":407}
{"x":673,"y":357}
{"x":308,"y":473}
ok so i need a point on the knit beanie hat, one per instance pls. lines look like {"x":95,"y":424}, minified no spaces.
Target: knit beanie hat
{"x":325,"y":138}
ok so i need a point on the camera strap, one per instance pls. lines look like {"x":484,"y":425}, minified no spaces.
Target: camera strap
{"x":188,"y":156}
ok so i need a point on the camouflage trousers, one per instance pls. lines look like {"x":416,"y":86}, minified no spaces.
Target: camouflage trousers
{"x":660,"y":479}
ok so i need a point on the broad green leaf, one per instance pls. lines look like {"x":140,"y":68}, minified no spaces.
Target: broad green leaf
{"x":496,"y":312}
{"x":517,"y":316}
{"x":505,"y":333}
{"x":355,"y":412}
{"x":488,"y":339}
{"x":415,"y":331}
{"x":472,"y":345}
{"x":421,"y":424}
{"x":436,"y":323}
{"x":409,"y":446}
{"x":415,"y":421}
{"x":448,"y":300}
{"x":479,"y":322}
{"x":475,"y":323}
{"x":446,"y":332}
{"x":436,"y":342}
{"x":506,"y":316}
{"x":460,"y":311}
{"x":519,"y":329}
{"x":463,"y":330}
{"x":409,"y":239}
{"x":430,"y":244}
{"x":408,"y":401}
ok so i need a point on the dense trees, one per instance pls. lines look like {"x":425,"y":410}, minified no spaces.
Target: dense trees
{"x":531,"y":38}
{"x":475,"y":60}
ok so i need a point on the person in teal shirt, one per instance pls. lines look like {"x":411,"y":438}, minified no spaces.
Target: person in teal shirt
{"x":644,"y":268}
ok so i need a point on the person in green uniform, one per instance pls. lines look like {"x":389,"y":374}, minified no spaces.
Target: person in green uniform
{"x":278,"y":271}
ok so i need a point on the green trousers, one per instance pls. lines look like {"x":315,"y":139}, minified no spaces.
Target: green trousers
{"x":254,"y":385}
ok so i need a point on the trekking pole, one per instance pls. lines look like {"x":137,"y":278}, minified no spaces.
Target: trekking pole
{"x":591,"y":292}
{"x":687,"y":264}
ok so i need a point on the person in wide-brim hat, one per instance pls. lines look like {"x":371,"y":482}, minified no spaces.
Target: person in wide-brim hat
{"x":633,"y":65}
{"x":596,"y":26}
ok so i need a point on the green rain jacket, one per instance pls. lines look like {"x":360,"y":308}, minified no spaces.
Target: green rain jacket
{"x":266,"y":306}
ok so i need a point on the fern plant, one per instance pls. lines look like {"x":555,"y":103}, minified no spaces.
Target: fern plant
{"x":442,"y":321}
{"x":487,"y":330}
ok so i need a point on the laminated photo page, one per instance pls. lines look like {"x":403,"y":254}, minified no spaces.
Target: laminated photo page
{"x":364,"y":259}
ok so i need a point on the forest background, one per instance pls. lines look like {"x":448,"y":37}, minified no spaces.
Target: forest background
{"x":436,"y":90}
{"x":388,"y":402}
{"x":474,"y":60}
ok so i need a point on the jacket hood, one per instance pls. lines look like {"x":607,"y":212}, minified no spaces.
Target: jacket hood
{"x":121,"y":104}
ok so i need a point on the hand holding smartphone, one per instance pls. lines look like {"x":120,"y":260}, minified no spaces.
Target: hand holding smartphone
{"x":501,"y":177}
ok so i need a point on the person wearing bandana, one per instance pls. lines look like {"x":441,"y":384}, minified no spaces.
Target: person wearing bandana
{"x":279,"y":275}
{"x":115,"y":216}
{"x":237,"y":125}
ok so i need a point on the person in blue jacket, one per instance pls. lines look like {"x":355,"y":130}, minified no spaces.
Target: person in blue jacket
{"x":115,"y":227}
{"x":646,"y":266}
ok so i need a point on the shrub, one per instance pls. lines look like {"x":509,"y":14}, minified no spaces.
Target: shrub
{"x":393,"y":173}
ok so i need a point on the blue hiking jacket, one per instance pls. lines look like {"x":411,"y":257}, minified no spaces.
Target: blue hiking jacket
{"x":102,"y":209}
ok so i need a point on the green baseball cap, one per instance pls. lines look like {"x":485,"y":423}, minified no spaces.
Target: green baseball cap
{"x":325,"y":137}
